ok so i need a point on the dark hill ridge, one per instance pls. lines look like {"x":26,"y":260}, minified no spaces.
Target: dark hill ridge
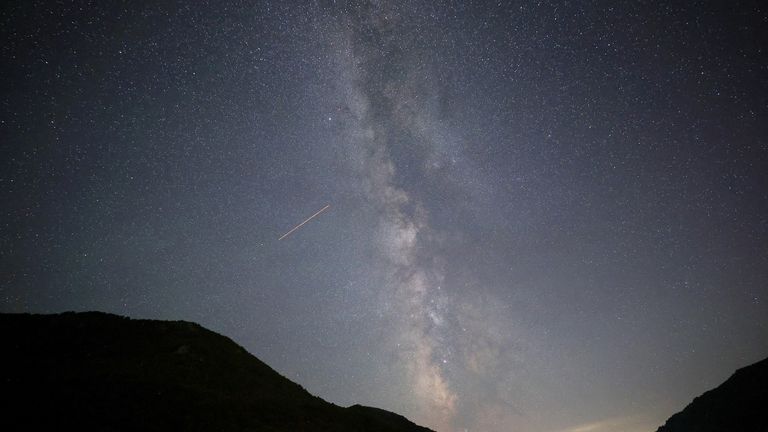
{"x":96,"y":371}
{"x":738,"y":404}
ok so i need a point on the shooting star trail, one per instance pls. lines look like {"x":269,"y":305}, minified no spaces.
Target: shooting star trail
{"x":301,"y":224}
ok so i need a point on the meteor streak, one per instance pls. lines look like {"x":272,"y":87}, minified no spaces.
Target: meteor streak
{"x":301,"y":224}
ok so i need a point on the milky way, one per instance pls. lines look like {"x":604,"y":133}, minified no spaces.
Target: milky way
{"x":543,"y":217}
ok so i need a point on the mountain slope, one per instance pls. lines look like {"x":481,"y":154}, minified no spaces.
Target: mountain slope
{"x":739,"y":404}
{"x":96,"y":371}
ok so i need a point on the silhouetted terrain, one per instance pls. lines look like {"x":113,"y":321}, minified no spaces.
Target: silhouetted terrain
{"x":96,"y":371}
{"x":738,"y":404}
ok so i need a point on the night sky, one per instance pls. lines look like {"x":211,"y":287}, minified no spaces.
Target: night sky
{"x":543,"y":217}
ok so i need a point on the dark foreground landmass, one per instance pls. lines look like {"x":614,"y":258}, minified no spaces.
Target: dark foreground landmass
{"x":738,"y":404}
{"x":96,"y":371}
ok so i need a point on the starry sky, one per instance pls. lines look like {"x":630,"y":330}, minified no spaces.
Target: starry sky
{"x":544,"y":216}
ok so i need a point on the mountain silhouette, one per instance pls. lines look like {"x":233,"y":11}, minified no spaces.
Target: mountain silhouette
{"x":738,"y":404}
{"x":97,"y":371}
